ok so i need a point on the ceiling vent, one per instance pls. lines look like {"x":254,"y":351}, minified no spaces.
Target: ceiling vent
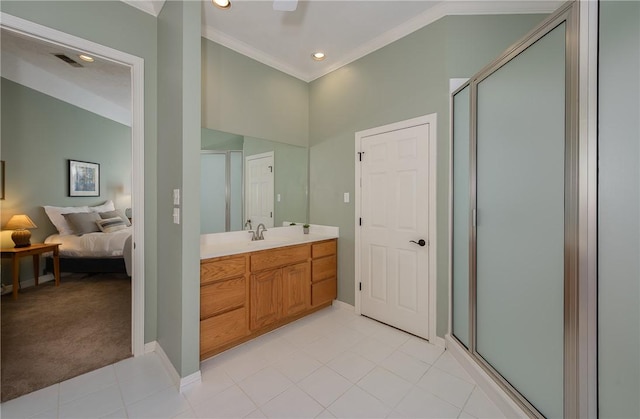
{"x":68,"y":60}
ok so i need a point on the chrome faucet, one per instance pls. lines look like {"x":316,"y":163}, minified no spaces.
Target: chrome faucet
{"x":260,"y":233}
{"x":249,"y":223}
{"x":253,"y":235}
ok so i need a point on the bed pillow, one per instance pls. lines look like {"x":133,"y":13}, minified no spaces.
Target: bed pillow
{"x":109,"y":225}
{"x":58,"y":220}
{"x":115,"y":214}
{"x":107,"y":206}
{"x":82,"y":222}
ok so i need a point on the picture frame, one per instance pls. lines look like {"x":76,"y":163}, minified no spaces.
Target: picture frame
{"x":84,"y":178}
{"x":1,"y":179}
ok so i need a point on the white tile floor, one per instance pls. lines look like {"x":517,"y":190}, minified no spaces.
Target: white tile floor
{"x":330,"y":364}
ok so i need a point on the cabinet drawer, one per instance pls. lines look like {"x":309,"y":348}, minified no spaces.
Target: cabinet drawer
{"x":324,"y":249}
{"x":221,"y":296}
{"x":222,"y":268}
{"x":323,"y":268}
{"x":219,"y":330}
{"x":323,"y":291}
{"x":279,"y":257}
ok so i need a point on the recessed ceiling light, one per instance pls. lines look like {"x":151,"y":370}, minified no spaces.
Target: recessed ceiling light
{"x":318,"y":56}
{"x":221,"y":4}
{"x":86,"y":58}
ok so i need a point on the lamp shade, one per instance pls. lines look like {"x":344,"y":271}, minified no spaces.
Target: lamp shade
{"x":21,"y":236}
{"x":19,"y":222}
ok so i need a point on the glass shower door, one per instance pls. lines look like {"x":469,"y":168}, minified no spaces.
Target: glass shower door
{"x":221,"y":195}
{"x":520,"y":221}
{"x":461,"y":216}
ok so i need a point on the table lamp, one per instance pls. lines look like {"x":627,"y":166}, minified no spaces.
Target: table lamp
{"x":20,"y":223}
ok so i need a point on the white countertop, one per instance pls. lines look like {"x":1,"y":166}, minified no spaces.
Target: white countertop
{"x":236,"y":242}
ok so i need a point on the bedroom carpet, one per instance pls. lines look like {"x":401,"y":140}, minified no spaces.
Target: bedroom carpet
{"x":51,"y":334}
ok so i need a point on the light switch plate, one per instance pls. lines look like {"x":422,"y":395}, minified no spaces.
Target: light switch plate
{"x":176,"y":197}
{"x":278,"y":197}
{"x":346,"y":197}
{"x":176,"y":216}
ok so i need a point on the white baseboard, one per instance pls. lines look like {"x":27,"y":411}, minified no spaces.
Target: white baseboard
{"x":493,"y":391}
{"x":340,"y":304}
{"x":180,"y":382}
{"x":150,"y":347}
{"x":438,"y":341}
{"x":195,"y":378}
{"x":29,"y":283}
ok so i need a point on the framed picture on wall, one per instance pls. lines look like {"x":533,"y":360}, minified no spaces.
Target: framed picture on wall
{"x":84,"y":178}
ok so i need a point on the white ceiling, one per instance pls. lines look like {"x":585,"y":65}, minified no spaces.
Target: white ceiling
{"x":344,"y":30}
{"x":102,"y":87}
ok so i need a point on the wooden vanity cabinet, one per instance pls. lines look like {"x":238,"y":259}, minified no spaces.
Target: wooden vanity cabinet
{"x":266,"y":298}
{"x":244,"y":296}
{"x":324,"y":266}
{"x":296,"y":289}
{"x":277,"y":277}
{"x":224,"y":312}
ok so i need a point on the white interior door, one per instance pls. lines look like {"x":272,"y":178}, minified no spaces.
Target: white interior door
{"x":259,"y":189}
{"x":394,"y":212}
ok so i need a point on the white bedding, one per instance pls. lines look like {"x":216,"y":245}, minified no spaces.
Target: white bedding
{"x":91,"y":244}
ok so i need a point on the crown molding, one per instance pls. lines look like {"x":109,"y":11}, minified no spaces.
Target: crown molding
{"x":251,"y":52}
{"x":420,"y":21}
{"x":440,"y":10}
{"x":152,"y":7}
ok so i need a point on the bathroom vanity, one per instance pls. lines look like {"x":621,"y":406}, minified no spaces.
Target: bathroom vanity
{"x":248,"y":288}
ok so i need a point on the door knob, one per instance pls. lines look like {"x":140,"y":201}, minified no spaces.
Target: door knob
{"x":420,"y":242}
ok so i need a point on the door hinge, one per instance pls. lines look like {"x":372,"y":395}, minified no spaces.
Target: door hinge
{"x":360,"y":221}
{"x":271,"y":214}
{"x":271,"y":169}
{"x":360,"y":286}
{"x":360,"y":154}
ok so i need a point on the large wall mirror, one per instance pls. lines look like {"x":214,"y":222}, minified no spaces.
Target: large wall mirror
{"x":247,"y":181}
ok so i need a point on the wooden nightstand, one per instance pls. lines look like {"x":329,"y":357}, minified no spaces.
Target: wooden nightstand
{"x":35,"y":250}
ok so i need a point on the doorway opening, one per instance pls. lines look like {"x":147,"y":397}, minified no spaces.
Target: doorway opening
{"x":135,"y":185}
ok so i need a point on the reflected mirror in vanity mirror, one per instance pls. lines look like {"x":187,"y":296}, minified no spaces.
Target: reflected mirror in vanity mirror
{"x":246,"y":178}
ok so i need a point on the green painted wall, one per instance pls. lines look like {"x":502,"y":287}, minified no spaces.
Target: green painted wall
{"x":126,"y":29}
{"x":39,"y":135}
{"x":179,"y":144}
{"x":218,"y":140}
{"x":405,"y":79}
{"x":243,"y":96}
{"x":619,"y":210}
{"x":191,"y":132}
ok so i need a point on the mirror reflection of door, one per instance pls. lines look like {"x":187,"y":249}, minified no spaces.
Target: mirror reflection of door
{"x":259,"y":170}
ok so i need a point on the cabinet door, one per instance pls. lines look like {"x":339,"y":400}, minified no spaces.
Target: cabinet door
{"x":266,"y":298}
{"x":296,"y":288}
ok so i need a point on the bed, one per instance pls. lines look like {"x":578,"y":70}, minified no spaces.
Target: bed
{"x":92,"y":252}
{"x":92,"y":239}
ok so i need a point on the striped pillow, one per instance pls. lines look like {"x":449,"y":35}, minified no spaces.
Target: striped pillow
{"x":109,"y":225}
